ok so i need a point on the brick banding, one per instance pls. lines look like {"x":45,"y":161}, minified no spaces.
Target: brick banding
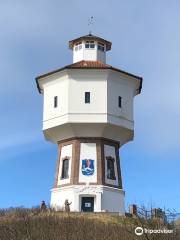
{"x":100,"y":142}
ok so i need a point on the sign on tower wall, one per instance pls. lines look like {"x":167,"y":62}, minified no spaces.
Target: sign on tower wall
{"x":88,"y":163}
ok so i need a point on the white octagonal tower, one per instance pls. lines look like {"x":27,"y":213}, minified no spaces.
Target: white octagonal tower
{"x":88,"y":113}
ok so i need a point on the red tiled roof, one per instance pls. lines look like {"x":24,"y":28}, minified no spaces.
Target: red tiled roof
{"x":89,"y":65}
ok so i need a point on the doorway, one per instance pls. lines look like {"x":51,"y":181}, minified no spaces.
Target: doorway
{"x":87,"y":204}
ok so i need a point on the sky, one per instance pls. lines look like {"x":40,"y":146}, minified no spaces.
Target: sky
{"x":145,"y":40}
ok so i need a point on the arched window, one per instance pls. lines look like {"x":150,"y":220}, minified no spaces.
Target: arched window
{"x":65,"y":168}
{"x":110,"y":168}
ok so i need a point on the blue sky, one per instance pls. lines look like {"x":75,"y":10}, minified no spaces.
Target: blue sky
{"x":145,"y":41}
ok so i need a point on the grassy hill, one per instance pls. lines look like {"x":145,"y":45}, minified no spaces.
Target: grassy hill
{"x":32,"y":224}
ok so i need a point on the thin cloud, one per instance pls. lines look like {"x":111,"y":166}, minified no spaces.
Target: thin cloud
{"x":16,"y":140}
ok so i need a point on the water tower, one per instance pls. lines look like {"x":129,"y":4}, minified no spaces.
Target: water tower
{"x":88,"y":113}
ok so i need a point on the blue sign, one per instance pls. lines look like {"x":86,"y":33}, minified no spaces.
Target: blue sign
{"x":87,"y":167}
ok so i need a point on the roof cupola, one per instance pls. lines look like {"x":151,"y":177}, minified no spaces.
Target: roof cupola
{"x":89,"y":48}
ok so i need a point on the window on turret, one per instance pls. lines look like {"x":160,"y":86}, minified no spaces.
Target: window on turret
{"x":78,"y":46}
{"x":101,"y":46}
{"x":55,"y":102}
{"x":87,"y":97}
{"x":65,"y":168}
{"x":120,"y":102}
{"x":110,"y":168}
{"x":89,"y":44}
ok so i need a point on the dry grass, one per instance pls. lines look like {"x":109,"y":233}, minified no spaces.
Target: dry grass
{"x":178,"y":222}
{"x":32,"y":224}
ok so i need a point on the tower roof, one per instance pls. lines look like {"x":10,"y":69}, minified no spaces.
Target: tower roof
{"x":90,"y":37}
{"x":90,"y":65}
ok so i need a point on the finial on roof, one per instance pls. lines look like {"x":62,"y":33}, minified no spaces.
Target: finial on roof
{"x":90,"y":23}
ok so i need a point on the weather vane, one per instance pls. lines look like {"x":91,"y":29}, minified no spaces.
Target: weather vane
{"x":90,"y":23}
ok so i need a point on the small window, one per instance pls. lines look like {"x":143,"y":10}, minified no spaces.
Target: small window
{"x":120,"y":102}
{"x":92,"y":45}
{"x":89,"y":44}
{"x":87,"y":97}
{"x":110,"y":168}
{"x":65,"y":168}
{"x":78,"y":46}
{"x":101,"y":46}
{"x":55,"y":102}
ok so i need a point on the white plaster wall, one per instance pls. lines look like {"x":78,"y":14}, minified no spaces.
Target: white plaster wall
{"x":78,"y":55}
{"x":88,"y":151}
{"x":113,"y":200}
{"x":103,"y":116}
{"x":110,"y":151}
{"x":65,"y":151}
{"x":55,"y":87}
{"x":88,"y":54}
{"x":101,"y":56}
{"x":74,"y":194}
{"x":93,"y":129}
{"x":94,"y":82}
{"x":117,"y":86}
{"x":104,"y":99}
{"x":70,"y":90}
{"x":58,"y":197}
{"x":105,"y":198}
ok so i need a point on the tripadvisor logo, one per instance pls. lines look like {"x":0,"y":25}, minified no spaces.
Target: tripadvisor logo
{"x":139,"y":231}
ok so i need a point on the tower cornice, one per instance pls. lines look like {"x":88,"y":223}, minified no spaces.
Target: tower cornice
{"x":91,"y":65}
